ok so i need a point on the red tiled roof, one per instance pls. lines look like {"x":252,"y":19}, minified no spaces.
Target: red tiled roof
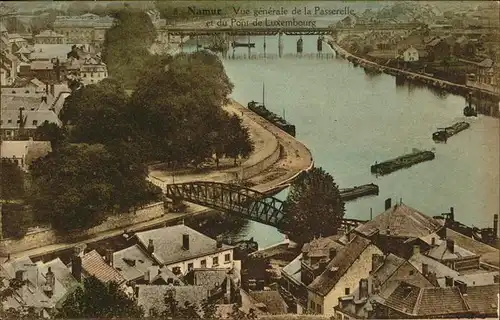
{"x":94,"y":264}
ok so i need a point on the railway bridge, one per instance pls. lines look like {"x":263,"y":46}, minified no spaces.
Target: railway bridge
{"x":235,"y":199}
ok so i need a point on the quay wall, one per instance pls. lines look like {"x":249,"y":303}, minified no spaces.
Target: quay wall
{"x":454,"y":88}
{"x":44,"y":236}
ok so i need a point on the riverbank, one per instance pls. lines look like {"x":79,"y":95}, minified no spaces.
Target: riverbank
{"x":454,"y":88}
{"x":270,"y":177}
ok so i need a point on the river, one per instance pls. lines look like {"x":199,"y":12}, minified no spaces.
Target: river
{"x":349,"y":120}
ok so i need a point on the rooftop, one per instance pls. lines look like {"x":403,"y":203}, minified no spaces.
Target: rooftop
{"x":168,"y":243}
{"x":402,"y":221}
{"x":320,"y":247}
{"x":441,"y":251}
{"x":94,"y":265}
{"x":131,"y":262}
{"x":293,"y":268}
{"x":339,"y":265}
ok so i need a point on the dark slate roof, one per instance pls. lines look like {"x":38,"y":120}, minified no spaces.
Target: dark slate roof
{"x":272,"y":299}
{"x":339,"y":265}
{"x":441,"y":252}
{"x":320,"y":247}
{"x":427,"y":302}
{"x":132,"y":262}
{"x":93,"y":264}
{"x":402,"y":221}
{"x":488,"y":253}
{"x":168,"y":244}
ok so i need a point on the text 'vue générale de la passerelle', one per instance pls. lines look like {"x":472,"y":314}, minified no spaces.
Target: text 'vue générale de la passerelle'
{"x":265,"y":16}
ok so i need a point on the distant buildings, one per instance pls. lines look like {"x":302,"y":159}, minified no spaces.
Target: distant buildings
{"x":23,"y":153}
{"x":49,"y":37}
{"x":87,"y":28}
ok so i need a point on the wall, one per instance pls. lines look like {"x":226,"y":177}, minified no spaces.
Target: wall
{"x":209,"y":258}
{"x":46,"y":236}
{"x":359,"y":269}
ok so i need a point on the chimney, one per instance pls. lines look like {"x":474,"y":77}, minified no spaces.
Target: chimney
{"x":349,"y":236}
{"x":363,"y":289}
{"x":146,"y":276}
{"x":151,"y":247}
{"x":332,"y":253}
{"x":388,"y":231}
{"x":377,"y":261}
{"x":433,"y":241}
{"x":52,"y":91}
{"x":322,"y":265}
{"x":49,"y":283}
{"x":44,"y":98}
{"x":416,"y":249}
{"x":218,"y":239}
{"x":450,"y":245}
{"x":462,"y":286}
{"x":452,"y":214}
{"x":76,"y":268}
{"x":448,"y":281}
{"x":495,"y":225}
{"x":109,"y":256}
{"x":47,"y":88}
{"x":185,"y":241}
{"x":21,"y":275}
{"x":425,"y":269}
{"x":21,"y":122}
{"x":388,"y":203}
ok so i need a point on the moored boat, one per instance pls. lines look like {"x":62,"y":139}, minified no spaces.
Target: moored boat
{"x":443,"y":134}
{"x":401,"y":162}
{"x":349,"y":194}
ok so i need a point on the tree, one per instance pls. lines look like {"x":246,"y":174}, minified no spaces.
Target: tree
{"x":16,"y":219}
{"x":12,"y":181}
{"x":99,"y":300}
{"x":173,"y":310}
{"x":238,"y":139}
{"x":78,"y":186}
{"x":314,"y":206}
{"x":49,"y":131}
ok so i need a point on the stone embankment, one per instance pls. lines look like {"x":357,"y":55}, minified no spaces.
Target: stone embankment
{"x":455,"y":88}
{"x":278,"y":158}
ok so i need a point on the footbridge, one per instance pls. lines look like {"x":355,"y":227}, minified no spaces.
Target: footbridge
{"x":235,"y":199}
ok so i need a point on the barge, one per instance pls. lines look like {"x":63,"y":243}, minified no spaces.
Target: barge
{"x":401,"y":162}
{"x":243,"y":45}
{"x":443,"y":134}
{"x":349,"y":194}
{"x":276,"y":120}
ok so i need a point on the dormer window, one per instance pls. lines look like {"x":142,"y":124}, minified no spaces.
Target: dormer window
{"x":35,"y":122}
{"x":13,"y":91}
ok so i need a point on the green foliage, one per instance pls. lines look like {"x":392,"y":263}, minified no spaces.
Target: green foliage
{"x":77,"y":186}
{"x":173,"y":310}
{"x":16,"y":219}
{"x":49,"y":131}
{"x":12,"y":181}
{"x":314,"y":206}
{"x":126,"y":45}
{"x":99,"y":300}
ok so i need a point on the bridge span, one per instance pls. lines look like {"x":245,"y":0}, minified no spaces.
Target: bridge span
{"x":246,"y":31}
{"x":235,"y":199}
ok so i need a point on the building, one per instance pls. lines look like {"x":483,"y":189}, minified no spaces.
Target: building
{"x":92,"y":71}
{"x":411,"y":302}
{"x":410,"y":54}
{"x":49,"y":37}
{"x":438,"y":49}
{"x":46,"y":285}
{"x":23,"y":153}
{"x":93,"y":264}
{"x":87,"y":28}
{"x":181,"y":249}
{"x":341,"y":274}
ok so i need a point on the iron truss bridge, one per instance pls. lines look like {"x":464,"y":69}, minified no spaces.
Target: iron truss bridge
{"x":205,"y":31}
{"x":235,"y":199}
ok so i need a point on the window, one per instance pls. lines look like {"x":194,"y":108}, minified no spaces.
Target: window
{"x":35,"y":122}
{"x":215,"y":261}
{"x":318,"y":308}
{"x":13,"y":91}
{"x":346,"y":318}
{"x":203,"y":263}
{"x":411,"y":272}
{"x":176,"y":270}
{"x":313,"y":306}
{"x":27,"y":91}
{"x":9,"y":121}
{"x":227,"y":257}
{"x":190,"y":266}
{"x":338,"y":316}
{"x":347,"y":291}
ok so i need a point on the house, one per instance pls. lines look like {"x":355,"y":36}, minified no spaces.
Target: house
{"x":46,"y":284}
{"x":411,"y":302}
{"x":180,"y":249}
{"x":387,"y":272}
{"x":93,"y":70}
{"x":410,"y":54}
{"x":23,"y":153}
{"x":437,"y":49}
{"x":93,"y":264}
{"x":341,"y":274}
{"x":49,"y":37}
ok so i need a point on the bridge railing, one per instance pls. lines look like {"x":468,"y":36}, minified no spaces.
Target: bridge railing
{"x":274,"y":56}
